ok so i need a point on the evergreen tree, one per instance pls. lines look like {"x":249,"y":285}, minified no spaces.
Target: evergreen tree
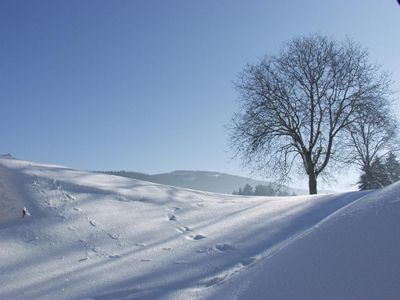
{"x":392,"y":169}
{"x":247,"y":190}
{"x":264,"y":190}
{"x":371,"y":174}
{"x":364,"y":182}
{"x":380,"y":174}
{"x":269,"y":189}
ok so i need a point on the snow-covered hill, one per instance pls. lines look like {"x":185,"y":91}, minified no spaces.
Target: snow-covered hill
{"x":96,"y":236}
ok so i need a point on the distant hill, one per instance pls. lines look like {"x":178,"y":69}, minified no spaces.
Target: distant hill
{"x":200,"y":180}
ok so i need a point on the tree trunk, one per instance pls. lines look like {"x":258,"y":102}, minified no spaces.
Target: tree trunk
{"x":312,"y":177}
{"x":312,"y":183}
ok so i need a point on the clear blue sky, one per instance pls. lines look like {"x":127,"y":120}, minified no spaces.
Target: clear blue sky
{"x":147,"y":85}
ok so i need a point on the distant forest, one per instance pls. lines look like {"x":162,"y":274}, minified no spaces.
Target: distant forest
{"x":133,"y":175}
{"x":263,"y":190}
{"x":212,"y":182}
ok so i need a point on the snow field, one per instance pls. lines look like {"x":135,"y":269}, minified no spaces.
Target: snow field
{"x":98,"y":236}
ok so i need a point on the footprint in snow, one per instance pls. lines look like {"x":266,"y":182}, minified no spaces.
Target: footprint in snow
{"x":69,"y":196}
{"x":205,"y":250}
{"x":224,"y":247}
{"x":167,"y":249}
{"x":140,"y":245}
{"x":84,"y":259}
{"x":114,"y":236}
{"x":145,"y":260}
{"x":97,"y":250}
{"x":172,"y":218}
{"x":93,"y":223}
{"x":197,"y":237}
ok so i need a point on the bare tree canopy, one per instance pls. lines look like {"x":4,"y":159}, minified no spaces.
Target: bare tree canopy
{"x":372,"y":134}
{"x":297,"y":107}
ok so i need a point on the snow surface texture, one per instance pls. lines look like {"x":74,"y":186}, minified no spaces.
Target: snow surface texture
{"x":95,"y":236}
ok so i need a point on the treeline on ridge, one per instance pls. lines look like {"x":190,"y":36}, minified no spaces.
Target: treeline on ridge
{"x":263,"y":190}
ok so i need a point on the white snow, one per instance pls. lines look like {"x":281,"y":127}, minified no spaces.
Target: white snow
{"x":96,"y":236}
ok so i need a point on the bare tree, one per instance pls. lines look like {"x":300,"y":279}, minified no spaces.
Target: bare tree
{"x":372,"y":134}
{"x":296,"y":107}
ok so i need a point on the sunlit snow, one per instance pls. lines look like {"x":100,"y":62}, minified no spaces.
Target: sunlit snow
{"x":96,"y":236}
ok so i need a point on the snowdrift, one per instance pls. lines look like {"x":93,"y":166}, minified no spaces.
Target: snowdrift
{"x":95,"y":236}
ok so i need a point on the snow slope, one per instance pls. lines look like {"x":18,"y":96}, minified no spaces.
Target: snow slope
{"x":354,"y":254}
{"x":95,"y":236}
